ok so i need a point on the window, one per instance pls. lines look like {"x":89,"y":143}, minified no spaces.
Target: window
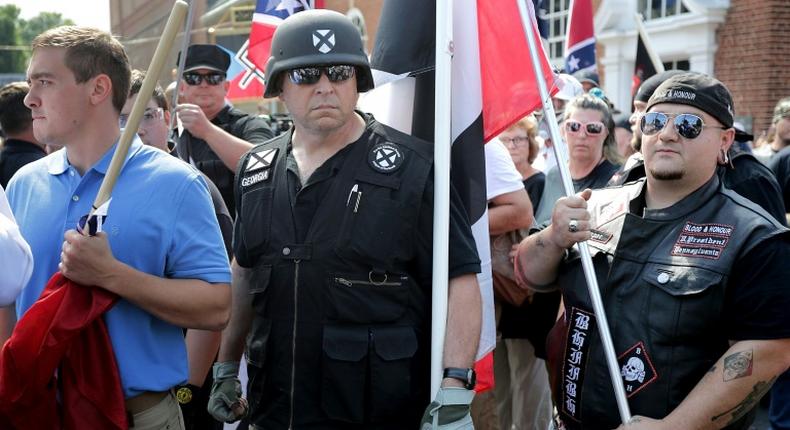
{"x":654,"y":9}
{"x":677,"y":65}
{"x":557,"y":17}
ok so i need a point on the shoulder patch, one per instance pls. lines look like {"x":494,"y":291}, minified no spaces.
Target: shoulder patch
{"x":260,"y":160}
{"x":385,"y":157}
{"x":257,"y":168}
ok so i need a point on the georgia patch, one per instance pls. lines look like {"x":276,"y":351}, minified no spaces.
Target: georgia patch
{"x":258,"y":167}
{"x":385,"y":158}
{"x":637,"y":369}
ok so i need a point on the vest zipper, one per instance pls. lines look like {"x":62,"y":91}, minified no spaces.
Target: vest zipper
{"x":352,"y":282}
{"x":293,"y":341}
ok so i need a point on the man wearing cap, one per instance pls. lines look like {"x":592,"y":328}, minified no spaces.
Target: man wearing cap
{"x":693,"y":278}
{"x":588,"y":78}
{"x":215,"y":135}
{"x":333,"y":246}
{"x":739,"y":171}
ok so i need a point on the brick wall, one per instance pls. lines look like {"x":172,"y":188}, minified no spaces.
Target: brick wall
{"x":752,"y":58}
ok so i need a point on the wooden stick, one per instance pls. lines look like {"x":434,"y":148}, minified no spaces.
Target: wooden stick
{"x":146,"y":91}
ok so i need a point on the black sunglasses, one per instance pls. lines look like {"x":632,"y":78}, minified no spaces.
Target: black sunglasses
{"x":687,"y":125}
{"x":311,"y":75}
{"x":211,"y":78}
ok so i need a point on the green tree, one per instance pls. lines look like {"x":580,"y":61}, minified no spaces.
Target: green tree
{"x":40,"y":23}
{"x":11,"y":60}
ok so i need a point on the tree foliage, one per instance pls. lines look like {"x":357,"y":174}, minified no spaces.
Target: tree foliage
{"x":16,"y":32}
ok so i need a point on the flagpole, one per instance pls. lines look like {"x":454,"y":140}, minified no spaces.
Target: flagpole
{"x":182,"y":59}
{"x":441,"y":205}
{"x":654,"y":58}
{"x":561,"y":153}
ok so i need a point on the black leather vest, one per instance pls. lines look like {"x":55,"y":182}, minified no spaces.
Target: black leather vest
{"x":340,"y":334}
{"x":663,"y":279}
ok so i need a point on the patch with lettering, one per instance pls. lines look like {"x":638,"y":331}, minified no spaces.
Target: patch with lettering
{"x":577,"y":344}
{"x":600,"y":236}
{"x":637,"y":369}
{"x":255,"y":178}
{"x":702,"y":240}
{"x":385,"y":158}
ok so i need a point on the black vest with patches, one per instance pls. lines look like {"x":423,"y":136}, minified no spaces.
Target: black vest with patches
{"x":341,"y":328}
{"x":663,"y":280}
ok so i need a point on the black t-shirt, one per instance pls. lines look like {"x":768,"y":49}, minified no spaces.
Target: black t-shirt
{"x":14,"y":154}
{"x":598,"y":178}
{"x":753,"y":180}
{"x":758,"y":293}
{"x":534,"y":186}
{"x":780,"y":165}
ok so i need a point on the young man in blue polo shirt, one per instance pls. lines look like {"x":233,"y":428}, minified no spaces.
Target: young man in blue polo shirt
{"x":160,"y":250}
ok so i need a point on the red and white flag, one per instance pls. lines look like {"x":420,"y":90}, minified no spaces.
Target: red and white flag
{"x":493,"y":86}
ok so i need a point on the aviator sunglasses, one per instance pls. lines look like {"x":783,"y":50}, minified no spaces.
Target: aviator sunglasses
{"x":193,"y":79}
{"x":592,"y":128}
{"x":311,"y":75}
{"x":687,"y":125}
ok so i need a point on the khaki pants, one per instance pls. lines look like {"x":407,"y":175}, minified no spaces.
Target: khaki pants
{"x":522,"y":386}
{"x":166,"y":415}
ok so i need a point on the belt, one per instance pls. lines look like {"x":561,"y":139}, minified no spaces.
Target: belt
{"x":144,"y":401}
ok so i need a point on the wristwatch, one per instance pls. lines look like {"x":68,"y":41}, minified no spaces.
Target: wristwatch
{"x":467,"y":376}
{"x":184,"y":393}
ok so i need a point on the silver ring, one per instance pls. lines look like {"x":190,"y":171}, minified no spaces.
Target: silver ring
{"x":573,"y":226}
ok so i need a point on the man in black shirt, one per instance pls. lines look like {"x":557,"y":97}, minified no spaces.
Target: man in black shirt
{"x":20,"y":146}
{"x":212,"y":134}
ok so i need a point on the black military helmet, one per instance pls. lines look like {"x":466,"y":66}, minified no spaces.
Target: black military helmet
{"x":315,"y":38}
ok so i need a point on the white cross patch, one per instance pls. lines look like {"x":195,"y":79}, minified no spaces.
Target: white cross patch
{"x":324,"y":40}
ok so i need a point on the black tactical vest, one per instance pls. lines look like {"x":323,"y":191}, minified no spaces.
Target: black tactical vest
{"x":340,"y":334}
{"x":663,"y":279}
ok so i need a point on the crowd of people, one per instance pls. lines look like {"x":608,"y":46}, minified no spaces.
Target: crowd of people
{"x":307,"y":253}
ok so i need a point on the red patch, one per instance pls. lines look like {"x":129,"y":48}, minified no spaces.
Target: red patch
{"x":702,"y":240}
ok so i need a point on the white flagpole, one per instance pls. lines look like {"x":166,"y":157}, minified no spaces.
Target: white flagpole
{"x":441,"y":194}
{"x":182,"y":59}
{"x":561,"y":152}
{"x":640,"y":27}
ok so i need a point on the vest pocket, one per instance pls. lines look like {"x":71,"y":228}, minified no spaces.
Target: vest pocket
{"x":367,"y":298}
{"x":256,"y":359}
{"x":684,"y":301}
{"x":344,"y":372}
{"x":259,"y":283}
{"x":367,"y":369}
{"x":370,"y":229}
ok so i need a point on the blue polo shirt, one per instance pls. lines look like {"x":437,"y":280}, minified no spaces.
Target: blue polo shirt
{"x":160,"y":221}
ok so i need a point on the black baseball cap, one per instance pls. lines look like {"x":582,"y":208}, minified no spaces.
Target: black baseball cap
{"x":650,"y":84}
{"x":209,"y":57}
{"x":699,"y":90}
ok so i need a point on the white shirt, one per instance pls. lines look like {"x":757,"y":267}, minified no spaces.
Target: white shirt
{"x":16,"y":260}
{"x":501,"y":174}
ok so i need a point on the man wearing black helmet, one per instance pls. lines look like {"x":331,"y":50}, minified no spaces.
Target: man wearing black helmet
{"x":332,"y":280}
{"x":214,"y":135}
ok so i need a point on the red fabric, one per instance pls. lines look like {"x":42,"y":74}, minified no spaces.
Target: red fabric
{"x":62,"y":332}
{"x":510,"y":89}
{"x":484,"y":368}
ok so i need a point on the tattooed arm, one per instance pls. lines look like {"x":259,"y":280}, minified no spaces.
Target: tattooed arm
{"x":730,"y":389}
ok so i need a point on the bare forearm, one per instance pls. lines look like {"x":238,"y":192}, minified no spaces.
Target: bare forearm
{"x":228,"y":147}
{"x":733,"y":386}
{"x":188,"y":303}
{"x":537,"y":261}
{"x":502,"y":219}
{"x":463,"y":322}
{"x":202,"y":347}
{"x":233,"y":336}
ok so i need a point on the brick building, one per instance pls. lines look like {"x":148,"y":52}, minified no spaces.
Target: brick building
{"x":742,"y":42}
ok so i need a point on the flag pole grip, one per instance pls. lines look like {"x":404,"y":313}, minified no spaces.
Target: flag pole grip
{"x":561,"y":153}
{"x":136,"y":114}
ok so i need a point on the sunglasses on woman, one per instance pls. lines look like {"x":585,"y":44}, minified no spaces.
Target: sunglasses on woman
{"x":687,"y":125}
{"x":193,"y":79}
{"x":592,"y":128}
{"x":311,"y":75}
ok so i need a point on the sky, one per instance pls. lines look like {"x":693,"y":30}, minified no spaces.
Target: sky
{"x":94,"y":13}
